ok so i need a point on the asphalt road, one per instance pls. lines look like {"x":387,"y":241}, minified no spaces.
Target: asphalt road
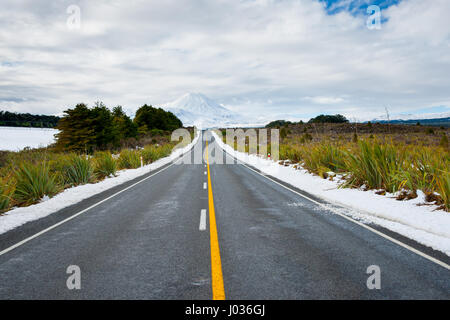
{"x":147,"y":243}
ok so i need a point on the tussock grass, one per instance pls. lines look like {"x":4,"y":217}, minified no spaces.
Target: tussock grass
{"x":164,"y":150}
{"x":377,"y":163}
{"x":33,"y":182}
{"x":149,"y":154}
{"x":152,"y":153}
{"x":27,"y":176}
{"x":443,"y":189}
{"x":7,"y":188}
{"x":129,"y":159}
{"x":290,"y":152}
{"x":322,"y":158}
{"x":78,"y":169}
{"x":104,"y":164}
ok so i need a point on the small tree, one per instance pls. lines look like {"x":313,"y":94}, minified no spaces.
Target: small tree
{"x":75,"y":130}
{"x":156,"y":118}
{"x":123,"y":124}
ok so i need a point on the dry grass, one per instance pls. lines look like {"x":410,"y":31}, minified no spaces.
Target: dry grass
{"x":27,"y":176}
{"x":388,"y":158}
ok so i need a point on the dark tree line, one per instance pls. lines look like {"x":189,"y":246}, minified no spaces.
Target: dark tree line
{"x":278,"y":123}
{"x":338,"y":118}
{"x":148,"y":118}
{"x":98,"y":128}
{"x":13,"y":119}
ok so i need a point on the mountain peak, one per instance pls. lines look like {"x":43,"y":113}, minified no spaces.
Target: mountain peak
{"x":194,"y":108}
{"x":194,"y":95}
{"x":195,"y":101}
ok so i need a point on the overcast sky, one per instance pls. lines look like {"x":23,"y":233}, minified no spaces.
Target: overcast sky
{"x":270,"y":58}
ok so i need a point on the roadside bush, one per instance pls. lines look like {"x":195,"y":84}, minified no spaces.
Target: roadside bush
{"x":149,"y":154}
{"x":7,"y":188}
{"x":288,"y":152}
{"x":57,"y":165}
{"x":374,"y":165}
{"x":306,"y":137}
{"x":378,"y":162}
{"x":129,"y":159}
{"x":443,"y":188}
{"x":164,"y":150}
{"x":33,"y":182}
{"x":152,"y":153}
{"x":104,"y":165}
{"x":429,"y":131}
{"x":321,"y":158}
{"x":29,"y":175}
{"x":78,"y":170}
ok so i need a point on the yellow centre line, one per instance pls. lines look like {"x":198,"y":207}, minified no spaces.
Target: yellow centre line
{"x":216,"y":264}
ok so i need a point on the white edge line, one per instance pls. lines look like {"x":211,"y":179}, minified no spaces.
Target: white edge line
{"x":202,"y":225}
{"x":18,"y":244}
{"x":420,"y":253}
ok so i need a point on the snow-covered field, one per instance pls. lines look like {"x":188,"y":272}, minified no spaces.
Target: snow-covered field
{"x":423,"y":223}
{"x":15,"y":139}
{"x":18,"y":216}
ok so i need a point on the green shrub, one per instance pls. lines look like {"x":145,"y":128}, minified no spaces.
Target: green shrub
{"x":322,"y":158}
{"x":104,"y":165}
{"x":306,"y":137}
{"x":429,"y":131}
{"x":149,"y":154}
{"x":78,"y":170}
{"x":443,"y":188}
{"x":391,"y":166}
{"x":33,"y":181}
{"x":375,"y":165}
{"x":7,"y":188}
{"x":444,"y":141}
{"x":164,"y":150}
{"x":288,"y":152}
{"x":129,"y":159}
{"x":57,"y":164}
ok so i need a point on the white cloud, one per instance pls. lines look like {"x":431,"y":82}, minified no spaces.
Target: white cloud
{"x":324,"y":100}
{"x":258,"y":57}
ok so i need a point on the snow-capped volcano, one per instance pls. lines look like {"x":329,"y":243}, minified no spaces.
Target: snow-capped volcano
{"x":201,"y":111}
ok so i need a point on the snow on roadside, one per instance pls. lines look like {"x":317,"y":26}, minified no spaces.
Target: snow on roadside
{"x":19,"y":216}
{"x":423,"y":223}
